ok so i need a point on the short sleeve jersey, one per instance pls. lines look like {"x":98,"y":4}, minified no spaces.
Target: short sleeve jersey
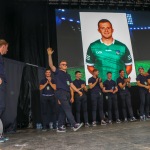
{"x":109,"y":84}
{"x":48,"y":90}
{"x":63,"y":80}
{"x":2,"y":72}
{"x":143,"y":80}
{"x":96,"y":88}
{"x":106,"y":58}
{"x":125,"y":89}
{"x":78,"y":83}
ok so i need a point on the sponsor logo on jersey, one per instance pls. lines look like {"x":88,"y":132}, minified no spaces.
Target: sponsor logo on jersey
{"x":118,"y":52}
{"x":87,"y":57}
{"x":108,"y":50}
{"x":129,"y":57}
{"x":98,"y":52}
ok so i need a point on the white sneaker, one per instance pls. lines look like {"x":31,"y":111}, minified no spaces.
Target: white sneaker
{"x":77,"y":126}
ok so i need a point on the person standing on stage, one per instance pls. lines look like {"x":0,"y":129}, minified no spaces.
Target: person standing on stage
{"x":3,"y":51}
{"x":110,"y":88}
{"x":96,"y":86}
{"x":63,"y":84}
{"x":80,"y":100}
{"x":148,"y":79}
{"x":123,"y":88}
{"x":142,"y":83}
{"x":48,"y":101}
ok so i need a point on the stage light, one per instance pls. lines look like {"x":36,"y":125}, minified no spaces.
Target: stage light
{"x":130,"y":28}
{"x":129,"y":19}
{"x":134,"y":28}
{"x":62,"y":10}
{"x":71,"y":20}
{"x":141,"y":28}
{"x":63,"y":18}
{"x":78,"y":21}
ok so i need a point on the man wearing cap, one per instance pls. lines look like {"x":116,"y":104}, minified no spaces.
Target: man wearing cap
{"x":123,"y":88}
{"x":142,"y":83}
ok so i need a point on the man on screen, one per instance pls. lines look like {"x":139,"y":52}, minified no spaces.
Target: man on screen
{"x":108,"y":54}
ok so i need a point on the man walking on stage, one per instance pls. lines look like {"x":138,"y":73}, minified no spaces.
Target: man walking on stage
{"x":63,"y":84}
{"x":3,"y":51}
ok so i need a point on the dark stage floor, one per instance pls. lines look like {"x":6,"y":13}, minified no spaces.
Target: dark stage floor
{"x":124,"y":136}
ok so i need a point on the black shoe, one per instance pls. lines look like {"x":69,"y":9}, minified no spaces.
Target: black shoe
{"x":87,"y":125}
{"x":118,"y":121}
{"x":61,"y":129}
{"x":77,"y":126}
{"x":2,"y":140}
{"x":103,"y":123}
{"x":142,"y":118}
{"x":125,"y":120}
{"x":148,"y":117}
{"x":44,"y":129}
{"x":5,"y":138}
{"x":109,"y":122}
{"x":94,"y":123}
{"x":133,"y":119}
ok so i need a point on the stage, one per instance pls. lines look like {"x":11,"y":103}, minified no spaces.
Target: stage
{"x":124,"y":136}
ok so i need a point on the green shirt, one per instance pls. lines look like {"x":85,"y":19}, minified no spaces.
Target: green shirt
{"x":110,"y":58}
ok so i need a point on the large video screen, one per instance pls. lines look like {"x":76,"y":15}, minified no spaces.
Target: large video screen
{"x":82,"y":41}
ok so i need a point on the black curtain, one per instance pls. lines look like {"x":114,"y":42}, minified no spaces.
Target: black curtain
{"x":29,"y":27}
{"x":13,"y":70}
{"x":29,"y":97}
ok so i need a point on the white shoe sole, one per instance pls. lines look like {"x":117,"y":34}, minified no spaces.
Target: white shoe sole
{"x":75,"y":129}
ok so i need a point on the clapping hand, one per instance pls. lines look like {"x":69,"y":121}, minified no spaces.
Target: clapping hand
{"x":82,"y":86}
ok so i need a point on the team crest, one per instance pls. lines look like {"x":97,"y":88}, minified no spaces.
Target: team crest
{"x":118,"y":52}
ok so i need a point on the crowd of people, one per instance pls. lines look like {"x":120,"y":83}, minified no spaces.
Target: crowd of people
{"x":62,"y":91}
{"x":59,"y":91}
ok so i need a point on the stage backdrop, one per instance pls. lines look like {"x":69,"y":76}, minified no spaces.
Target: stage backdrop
{"x":89,"y":28}
{"x":130,"y":27}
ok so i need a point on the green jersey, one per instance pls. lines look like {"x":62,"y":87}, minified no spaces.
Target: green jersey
{"x":108,"y":58}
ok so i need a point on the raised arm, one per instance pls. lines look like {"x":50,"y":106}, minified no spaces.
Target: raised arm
{"x":50,"y":61}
